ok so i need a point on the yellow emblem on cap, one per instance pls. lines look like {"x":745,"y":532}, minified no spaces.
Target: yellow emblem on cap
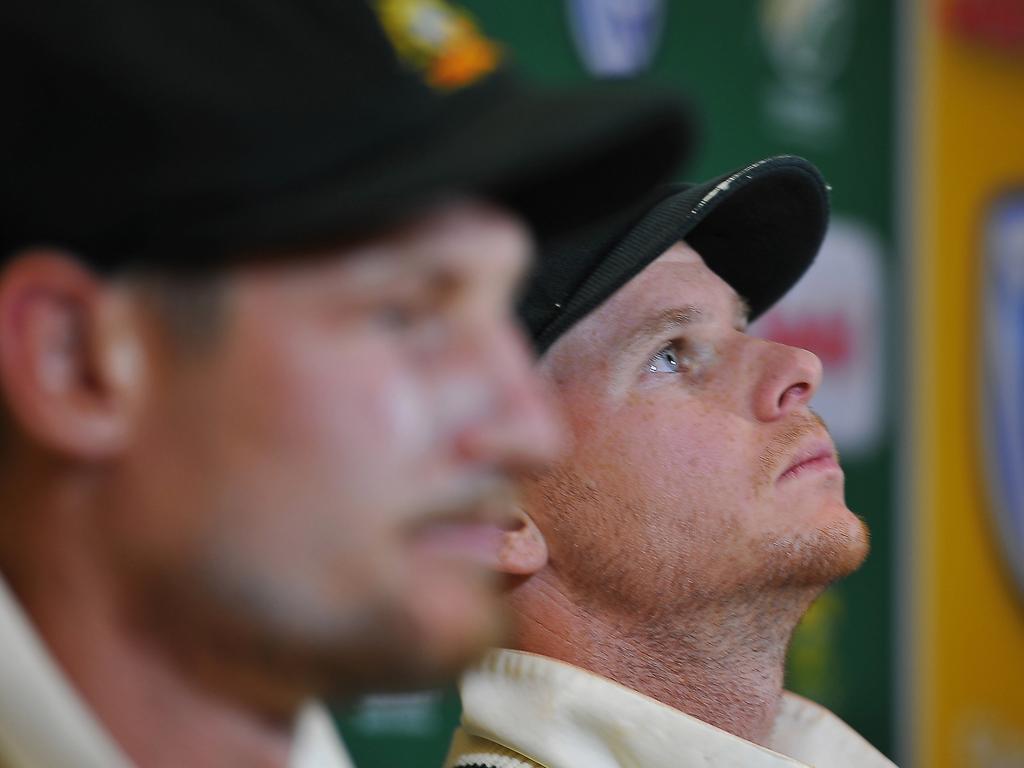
{"x":442,"y":42}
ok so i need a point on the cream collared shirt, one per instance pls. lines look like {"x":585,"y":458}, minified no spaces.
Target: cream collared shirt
{"x":522,"y":711}
{"x":45,"y":724}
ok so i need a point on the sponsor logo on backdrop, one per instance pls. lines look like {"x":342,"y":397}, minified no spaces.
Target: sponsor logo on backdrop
{"x":616,"y":38}
{"x":1002,"y":389}
{"x":408,"y":714}
{"x":837,"y":312}
{"x":994,"y":24}
{"x":808,"y":43}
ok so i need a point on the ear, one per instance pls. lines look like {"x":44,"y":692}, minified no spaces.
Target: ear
{"x":68,"y":365}
{"x":523,"y":549}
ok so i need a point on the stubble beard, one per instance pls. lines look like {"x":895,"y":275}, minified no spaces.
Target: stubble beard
{"x":602,"y":563}
{"x":817,"y":557}
{"x":714,"y":650}
{"x":265,"y":643}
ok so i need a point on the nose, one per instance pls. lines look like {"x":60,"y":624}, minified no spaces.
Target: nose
{"x":523,"y":428}
{"x":788,"y":380}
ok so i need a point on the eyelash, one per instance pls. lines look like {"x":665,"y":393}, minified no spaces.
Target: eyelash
{"x":672,"y":348}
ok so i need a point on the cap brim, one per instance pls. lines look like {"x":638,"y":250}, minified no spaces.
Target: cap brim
{"x":759,"y":228}
{"x":559,"y":159}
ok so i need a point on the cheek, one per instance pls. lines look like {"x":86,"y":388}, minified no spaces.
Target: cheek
{"x":325,"y":426}
{"x":660,"y":443}
{"x":370,"y":407}
{"x":681,"y":462}
{"x":356,"y":407}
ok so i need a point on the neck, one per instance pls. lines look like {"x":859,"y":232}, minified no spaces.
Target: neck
{"x":722,"y":663}
{"x":157,"y":712}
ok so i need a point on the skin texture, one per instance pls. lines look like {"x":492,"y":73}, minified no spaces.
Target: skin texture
{"x":205,"y":533}
{"x":681,"y":551}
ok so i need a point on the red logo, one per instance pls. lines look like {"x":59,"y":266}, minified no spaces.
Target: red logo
{"x":997,"y":24}
{"x":826,"y":334}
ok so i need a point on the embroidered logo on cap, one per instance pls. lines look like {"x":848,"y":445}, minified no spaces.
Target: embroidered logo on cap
{"x":439,"y":41}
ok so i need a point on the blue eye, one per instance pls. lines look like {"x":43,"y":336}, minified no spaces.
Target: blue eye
{"x":665,"y":361}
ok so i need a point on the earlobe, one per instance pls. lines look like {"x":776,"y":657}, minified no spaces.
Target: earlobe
{"x":55,"y":355}
{"x":524,"y":550}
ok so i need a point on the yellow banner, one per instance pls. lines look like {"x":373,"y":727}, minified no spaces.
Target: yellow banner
{"x":964,"y":542}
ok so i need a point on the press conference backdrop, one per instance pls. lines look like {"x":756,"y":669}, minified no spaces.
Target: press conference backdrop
{"x":831,"y":80}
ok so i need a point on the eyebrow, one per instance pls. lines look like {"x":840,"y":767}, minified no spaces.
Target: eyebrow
{"x":660,"y":324}
{"x":742,"y":311}
{"x":674,"y":318}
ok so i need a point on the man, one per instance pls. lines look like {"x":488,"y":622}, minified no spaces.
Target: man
{"x":698,"y":513}
{"x":260,"y":377}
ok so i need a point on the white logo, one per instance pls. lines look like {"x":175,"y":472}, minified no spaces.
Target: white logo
{"x":616,"y":38}
{"x":836,"y":311}
{"x":1002,"y":385}
{"x":808,"y":43}
{"x":411,"y":714}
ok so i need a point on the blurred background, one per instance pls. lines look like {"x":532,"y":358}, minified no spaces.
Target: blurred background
{"x":914,"y":111}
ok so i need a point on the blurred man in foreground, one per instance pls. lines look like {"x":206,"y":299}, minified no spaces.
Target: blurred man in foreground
{"x":698,"y":513}
{"x":260,"y":377}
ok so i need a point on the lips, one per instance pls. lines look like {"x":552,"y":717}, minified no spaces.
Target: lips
{"x":476,"y":542}
{"x":470,"y":530}
{"x":816,"y":455}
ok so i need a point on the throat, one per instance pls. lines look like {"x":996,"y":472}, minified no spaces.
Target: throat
{"x":723,"y":664}
{"x":734,"y":686}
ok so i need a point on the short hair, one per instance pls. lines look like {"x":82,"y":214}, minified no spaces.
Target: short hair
{"x":190,"y":307}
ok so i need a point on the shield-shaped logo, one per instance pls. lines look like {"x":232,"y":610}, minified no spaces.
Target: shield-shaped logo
{"x":616,"y":38}
{"x":1002,"y":386}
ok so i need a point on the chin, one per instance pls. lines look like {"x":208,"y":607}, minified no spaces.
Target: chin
{"x":456,"y":615}
{"x":833,"y":546}
{"x":421,"y":630}
{"x":422,"y":640}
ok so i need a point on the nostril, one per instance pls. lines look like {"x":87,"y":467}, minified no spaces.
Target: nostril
{"x":794,"y":394}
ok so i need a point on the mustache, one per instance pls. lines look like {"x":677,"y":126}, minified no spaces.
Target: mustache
{"x":781,"y":447}
{"x":490,"y":499}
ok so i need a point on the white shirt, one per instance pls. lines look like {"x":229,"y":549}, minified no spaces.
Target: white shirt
{"x":521,"y":710}
{"x":45,"y":723}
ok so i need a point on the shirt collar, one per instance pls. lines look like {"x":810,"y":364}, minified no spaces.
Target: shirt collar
{"x":561,"y":716}
{"x":43,"y":720}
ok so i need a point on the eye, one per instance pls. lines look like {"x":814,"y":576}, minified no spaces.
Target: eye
{"x":420,"y":325}
{"x":396,"y":316}
{"x":416,"y":304}
{"x":665,"y":361}
{"x":406,"y":311}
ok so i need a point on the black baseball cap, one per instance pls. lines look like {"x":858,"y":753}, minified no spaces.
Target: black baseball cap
{"x":759,"y":228}
{"x":179,"y":131}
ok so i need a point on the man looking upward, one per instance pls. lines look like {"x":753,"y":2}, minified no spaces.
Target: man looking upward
{"x":670,"y":554}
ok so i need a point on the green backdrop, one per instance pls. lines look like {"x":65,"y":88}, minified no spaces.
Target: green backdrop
{"x":814,"y":78}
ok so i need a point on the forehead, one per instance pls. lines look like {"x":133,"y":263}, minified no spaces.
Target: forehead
{"x":680,"y":253}
{"x":677,"y":280}
{"x":467,"y":238}
{"x":465,"y":235}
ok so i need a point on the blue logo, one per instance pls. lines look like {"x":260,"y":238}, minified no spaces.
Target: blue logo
{"x":1002,"y":392}
{"x":616,"y":38}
